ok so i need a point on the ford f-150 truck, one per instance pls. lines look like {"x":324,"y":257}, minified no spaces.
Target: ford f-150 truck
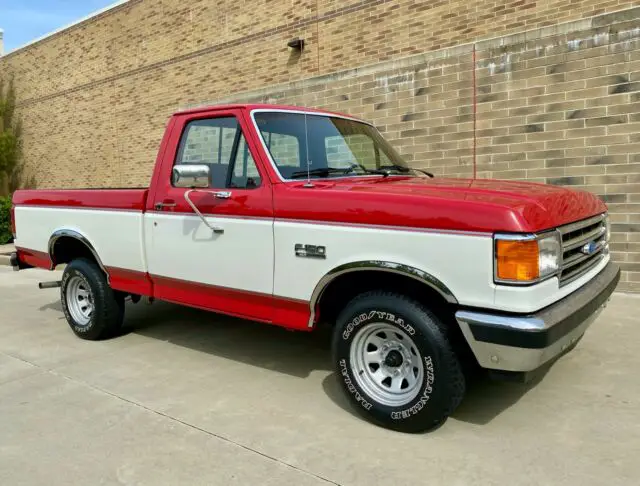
{"x":299,"y":217}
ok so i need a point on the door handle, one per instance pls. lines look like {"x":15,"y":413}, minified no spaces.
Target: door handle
{"x":167,"y":203}
{"x":222,"y":194}
{"x":215,"y":229}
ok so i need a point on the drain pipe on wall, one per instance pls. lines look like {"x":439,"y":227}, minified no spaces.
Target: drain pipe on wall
{"x":475,"y":112}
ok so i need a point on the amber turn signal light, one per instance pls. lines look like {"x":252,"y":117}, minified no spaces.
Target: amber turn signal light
{"x":517,"y":260}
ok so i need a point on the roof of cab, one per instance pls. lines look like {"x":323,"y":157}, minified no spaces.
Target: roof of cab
{"x":253,"y":106}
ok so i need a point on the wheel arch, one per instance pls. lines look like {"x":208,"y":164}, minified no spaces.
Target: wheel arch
{"x":370,"y":267}
{"x":66,"y":244}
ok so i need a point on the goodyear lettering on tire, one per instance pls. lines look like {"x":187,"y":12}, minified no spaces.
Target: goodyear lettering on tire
{"x":380,"y":316}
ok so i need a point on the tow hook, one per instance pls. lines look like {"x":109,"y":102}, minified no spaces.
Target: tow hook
{"x":50,"y":285}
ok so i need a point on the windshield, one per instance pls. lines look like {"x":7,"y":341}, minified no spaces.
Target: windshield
{"x":320,"y":146}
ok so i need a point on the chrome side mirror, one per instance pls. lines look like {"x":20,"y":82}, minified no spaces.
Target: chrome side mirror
{"x":190,"y":175}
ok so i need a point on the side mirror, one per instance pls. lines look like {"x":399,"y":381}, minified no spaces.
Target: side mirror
{"x":190,"y":175}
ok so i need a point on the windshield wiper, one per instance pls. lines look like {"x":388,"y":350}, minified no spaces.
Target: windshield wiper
{"x":404,"y":170}
{"x":383,"y":172}
{"x":425,"y":172}
{"x":321,"y":172}
{"x":397,"y":167}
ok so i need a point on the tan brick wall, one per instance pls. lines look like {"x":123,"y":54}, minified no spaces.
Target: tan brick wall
{"x":557,"y":104}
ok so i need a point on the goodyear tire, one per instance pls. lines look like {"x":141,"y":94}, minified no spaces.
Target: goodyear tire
{"x":93,"y":310}
{"x":395,"y":363}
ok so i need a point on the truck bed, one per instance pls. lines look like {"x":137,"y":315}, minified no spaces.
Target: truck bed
{"x":121,"y":199}
{"x":110,"y":219}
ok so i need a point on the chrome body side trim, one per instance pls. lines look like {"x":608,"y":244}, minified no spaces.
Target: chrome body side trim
{"x":67,"y":233}
{"x":382,"y":266}
{"x":413,"y":229}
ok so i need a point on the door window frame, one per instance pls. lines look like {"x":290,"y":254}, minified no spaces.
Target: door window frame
{"x":233,"y":154}
{"x":161,"y":181}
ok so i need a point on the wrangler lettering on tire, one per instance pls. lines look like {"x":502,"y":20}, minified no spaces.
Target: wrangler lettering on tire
{"x":395,"y":363}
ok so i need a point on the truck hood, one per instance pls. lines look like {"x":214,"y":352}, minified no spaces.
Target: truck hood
{"x":456,"y":204}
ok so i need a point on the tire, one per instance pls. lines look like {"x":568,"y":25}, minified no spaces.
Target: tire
{"x":377,"y":319}
{"x":93,"y":310}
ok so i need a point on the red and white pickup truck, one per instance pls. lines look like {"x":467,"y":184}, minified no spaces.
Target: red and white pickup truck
{"x":297,"y":217}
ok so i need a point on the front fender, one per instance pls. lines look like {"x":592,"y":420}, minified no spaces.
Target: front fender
{"x":383,"y":266}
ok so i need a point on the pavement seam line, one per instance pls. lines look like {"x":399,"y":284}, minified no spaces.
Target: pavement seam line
{"x":175,"y":419}
{"x":195,"y":427}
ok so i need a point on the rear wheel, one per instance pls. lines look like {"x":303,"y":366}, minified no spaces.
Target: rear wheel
{"x":395,"y":363}
{"x":92,"y":308}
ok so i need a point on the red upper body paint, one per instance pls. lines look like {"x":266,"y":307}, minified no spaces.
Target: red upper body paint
{"x":480,"y":205}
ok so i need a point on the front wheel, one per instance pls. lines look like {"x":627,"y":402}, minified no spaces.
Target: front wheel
{"x":395,"y":363}
{"x":93,"y":310}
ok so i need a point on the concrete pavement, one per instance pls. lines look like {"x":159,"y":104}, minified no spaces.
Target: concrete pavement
{"x":188,"y":397}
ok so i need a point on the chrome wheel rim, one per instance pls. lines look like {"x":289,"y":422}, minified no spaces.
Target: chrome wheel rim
{"x":79,"y":301}
{"x":386,"y":364}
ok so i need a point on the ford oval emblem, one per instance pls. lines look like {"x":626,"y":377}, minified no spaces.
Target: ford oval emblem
{"x":590,"y":248}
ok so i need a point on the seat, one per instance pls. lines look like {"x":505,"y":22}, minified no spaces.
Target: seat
{"x":218,"y":175}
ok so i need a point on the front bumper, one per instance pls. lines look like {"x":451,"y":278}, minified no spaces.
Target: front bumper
{"x":522,"y":343}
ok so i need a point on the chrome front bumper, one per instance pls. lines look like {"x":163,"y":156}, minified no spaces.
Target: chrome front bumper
{"x":521,"y":343}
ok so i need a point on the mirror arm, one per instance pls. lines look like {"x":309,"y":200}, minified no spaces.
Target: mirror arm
{"x":215,"y":229}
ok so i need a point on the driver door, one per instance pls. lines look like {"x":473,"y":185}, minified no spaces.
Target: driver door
{"x":230,"y":270}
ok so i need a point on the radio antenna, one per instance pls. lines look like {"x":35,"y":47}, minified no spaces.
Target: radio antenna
{"x":306,"y":144}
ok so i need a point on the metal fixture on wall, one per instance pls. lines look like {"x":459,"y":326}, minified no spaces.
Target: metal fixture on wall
{"x":296,"y":44}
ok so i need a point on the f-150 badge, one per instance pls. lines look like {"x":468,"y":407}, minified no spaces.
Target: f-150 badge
{"x":310,"y":251}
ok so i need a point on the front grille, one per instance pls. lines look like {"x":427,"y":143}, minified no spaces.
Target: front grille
{"x":577,"y":257}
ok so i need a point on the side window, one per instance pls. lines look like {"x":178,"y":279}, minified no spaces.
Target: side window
{"x":343,"y":151}
{"x":220,"y":144}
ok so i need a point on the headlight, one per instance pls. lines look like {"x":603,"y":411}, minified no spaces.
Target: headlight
{"x":549,"y":255}
{"x":526,"y":259}
{"x":607,"y":225}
